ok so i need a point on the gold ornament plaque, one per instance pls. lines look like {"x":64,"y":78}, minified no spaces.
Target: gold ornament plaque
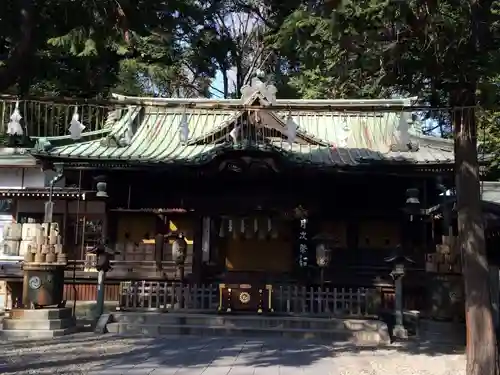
{"x":244,"y":297}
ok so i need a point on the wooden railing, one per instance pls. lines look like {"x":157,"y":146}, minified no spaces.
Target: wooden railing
{"x":49,"y":118}
{"x":168,"y":296}
{"x":325,"y":301}
{"x":296,"y":300}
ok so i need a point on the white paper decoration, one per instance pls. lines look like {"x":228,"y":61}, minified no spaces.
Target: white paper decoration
{"x":75,"y":126}
{"x":344,"y":133}
{"x":234,"y":134}
{"x":184,"y":128}
{"x":291,"y":129}
{"x":14,"y":126}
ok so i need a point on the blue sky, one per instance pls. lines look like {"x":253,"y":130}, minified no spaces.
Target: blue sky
{"x":218,"y":84}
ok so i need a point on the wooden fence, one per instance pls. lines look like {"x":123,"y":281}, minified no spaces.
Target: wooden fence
{"x":292,"y":299}
{"x":168,"y":296}
{"x":287,"y":299}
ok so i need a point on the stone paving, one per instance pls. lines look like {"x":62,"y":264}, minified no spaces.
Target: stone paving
{"x":114,"y":355}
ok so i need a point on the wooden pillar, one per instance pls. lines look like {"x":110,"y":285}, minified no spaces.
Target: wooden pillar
{"x":197,"y":250}
{"x":159,"y":245}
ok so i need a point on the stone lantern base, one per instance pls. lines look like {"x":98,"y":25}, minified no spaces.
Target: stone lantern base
{"x":400,"y":332}
{"x":42,"y":323}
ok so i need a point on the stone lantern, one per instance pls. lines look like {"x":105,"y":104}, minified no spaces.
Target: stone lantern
{"x":399,"y":262}
{"x":399,"y":259}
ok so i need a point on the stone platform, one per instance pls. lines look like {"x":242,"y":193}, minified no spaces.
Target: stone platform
{"x":356,"y":331}
{"x":39,"y":323}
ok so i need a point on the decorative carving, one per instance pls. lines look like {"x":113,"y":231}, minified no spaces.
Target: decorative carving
{"x":244,"y":297}
{"x":42,"y":145}
{"x":257,"y":86}
{"x":248,"y":165}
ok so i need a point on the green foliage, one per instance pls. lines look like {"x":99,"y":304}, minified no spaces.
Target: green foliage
{"x":84,"y":48}
{"x":382,"y":48}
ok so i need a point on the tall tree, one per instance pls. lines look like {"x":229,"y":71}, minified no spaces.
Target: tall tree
{"x":445,"y":52}
{"x":84,"y":48}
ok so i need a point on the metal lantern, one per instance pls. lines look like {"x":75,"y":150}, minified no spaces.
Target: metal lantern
{"x":412,"y":205}
{"x":323,"y":255}
{"x":101,"y":187}
{"x":398,"y":261}
{"x":179,"y":249}
{"x":101,"y":190}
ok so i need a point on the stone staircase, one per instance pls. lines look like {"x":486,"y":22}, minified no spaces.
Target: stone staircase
{"x":42,"y":323}
{"x":442,"y":333}
{"x":358,"y":331}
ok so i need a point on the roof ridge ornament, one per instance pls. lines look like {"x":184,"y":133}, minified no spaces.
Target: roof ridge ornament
{"x":76,"y":127}
{"x":256,"y":87}
{"x":14,"y":127}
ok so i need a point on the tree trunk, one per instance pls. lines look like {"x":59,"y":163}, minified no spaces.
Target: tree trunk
{"x":481,"y":338}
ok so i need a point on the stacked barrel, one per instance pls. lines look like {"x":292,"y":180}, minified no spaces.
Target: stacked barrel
{"x":43,"y":244}
{"x":36,"y":243}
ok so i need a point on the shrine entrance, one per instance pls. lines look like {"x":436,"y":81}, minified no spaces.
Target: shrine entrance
{"x":257,"y":245}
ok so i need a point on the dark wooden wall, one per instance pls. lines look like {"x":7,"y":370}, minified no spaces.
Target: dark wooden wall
{"x":83,"y":292}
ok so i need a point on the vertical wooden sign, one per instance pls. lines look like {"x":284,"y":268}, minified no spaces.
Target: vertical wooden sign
{"x":304,"y":252}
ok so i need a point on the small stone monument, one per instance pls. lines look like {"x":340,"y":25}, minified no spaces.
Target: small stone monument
{"x":44,"y":314}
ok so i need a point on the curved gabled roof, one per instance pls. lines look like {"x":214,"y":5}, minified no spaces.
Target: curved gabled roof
{"x":150,"y":132}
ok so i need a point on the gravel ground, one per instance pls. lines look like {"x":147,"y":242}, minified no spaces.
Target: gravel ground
{"x":93,"y":354}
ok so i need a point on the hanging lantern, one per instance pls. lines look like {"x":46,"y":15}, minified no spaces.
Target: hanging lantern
{"x":14,"y":126}
{"x":76,"y":127}
{"x":179,"y":249}
{"x":291,"y":129}
{"x":184,"y":128}
{"x":101,"y":189}
{"x":323,"y":255}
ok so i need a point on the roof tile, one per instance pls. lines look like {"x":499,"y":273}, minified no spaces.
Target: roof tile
{"x":343,"y":139}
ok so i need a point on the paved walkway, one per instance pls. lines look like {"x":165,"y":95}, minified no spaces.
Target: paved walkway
{"x":115,"y":355}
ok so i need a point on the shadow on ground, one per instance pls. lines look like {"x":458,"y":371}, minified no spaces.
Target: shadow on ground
{"x":99,"y":351}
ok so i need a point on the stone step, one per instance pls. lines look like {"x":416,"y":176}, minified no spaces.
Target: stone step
{"x":253,"y":321}
{"x":358,"y":337}
{"x":39,"y":314}
{"x":24,"y":324}
{"x":36,"y":333}
{"x":442,"y":332}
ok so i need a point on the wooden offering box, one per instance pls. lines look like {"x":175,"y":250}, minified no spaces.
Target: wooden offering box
{"x":245,"y":298}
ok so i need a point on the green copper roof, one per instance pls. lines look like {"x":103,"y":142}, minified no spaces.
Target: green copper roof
{"x":151,"y":133}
